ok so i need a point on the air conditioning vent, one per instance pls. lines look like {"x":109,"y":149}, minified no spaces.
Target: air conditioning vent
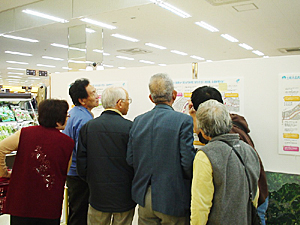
{"x":295,"y":50}
{"x":223,"y":2}
{"x":134,"y":51}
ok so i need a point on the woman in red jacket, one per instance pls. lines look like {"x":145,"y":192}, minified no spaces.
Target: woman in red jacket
{"x":36,"y":187}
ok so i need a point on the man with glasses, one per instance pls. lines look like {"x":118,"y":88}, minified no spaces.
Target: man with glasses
{"x":101,"y":161}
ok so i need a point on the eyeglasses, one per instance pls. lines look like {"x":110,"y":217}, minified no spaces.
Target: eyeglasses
{"x":129,"y":100}
{"x":68,"y":115}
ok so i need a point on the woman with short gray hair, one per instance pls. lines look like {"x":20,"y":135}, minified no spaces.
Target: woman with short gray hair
{"x":220,"y":190}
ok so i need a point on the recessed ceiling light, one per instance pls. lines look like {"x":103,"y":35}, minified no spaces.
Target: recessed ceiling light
{"x":145,"y":61}
{"x":125,"y":37}
{"x":155,"y":46}
{"x":100,"y":24}
{"x":89,"y":30}
{"x":208,"y":60}
{"x":18,"y":38}
{"x":45,"y":16}
{"x":15,"y":62}
{"x":259,"y":53}
{"x":229,"y":38}
{"x":266,"y":56}
{"x":245,"y":46}
{"x":121,"y":67}
{"x":52,"y":58}
{"x":33,"y":78}
{"x":178,"y":52}
{"x":197,"y":57}
{"x":207,"y":26}
{"x":43,"y":65}
{"x":161,"y":64}
{"x":12,"y":68}
{"x":123,"y":57}
{"x":18,"y":53}
{"x":171,"y":8}
{"x":100,"y":67}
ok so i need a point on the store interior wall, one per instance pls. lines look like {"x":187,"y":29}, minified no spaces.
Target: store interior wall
{"x":260,"y":95}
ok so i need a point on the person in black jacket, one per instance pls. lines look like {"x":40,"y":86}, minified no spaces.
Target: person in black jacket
{"x":101,"y":161}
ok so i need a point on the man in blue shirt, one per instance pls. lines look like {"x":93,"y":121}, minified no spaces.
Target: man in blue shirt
{"x":85,"y":98}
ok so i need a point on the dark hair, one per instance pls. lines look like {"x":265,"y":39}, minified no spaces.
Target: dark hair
{"x":77,"y":90}
{"x":52,"y":111}
{"x":204,"y":93}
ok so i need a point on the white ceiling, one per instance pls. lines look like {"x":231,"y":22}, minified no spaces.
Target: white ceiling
{"x":268,"y":26}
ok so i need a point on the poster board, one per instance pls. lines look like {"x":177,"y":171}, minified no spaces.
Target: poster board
{"x":289,"y":114}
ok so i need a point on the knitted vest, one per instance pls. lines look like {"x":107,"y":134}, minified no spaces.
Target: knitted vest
{"x":231,"y":191}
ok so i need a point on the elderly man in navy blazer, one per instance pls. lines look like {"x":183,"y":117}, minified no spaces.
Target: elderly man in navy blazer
{"x":161,"y":151}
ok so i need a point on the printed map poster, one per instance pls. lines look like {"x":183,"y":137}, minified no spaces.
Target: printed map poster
{"x":231,"y":90}
{"x":289,"y":114}
{"x":100,"y":87}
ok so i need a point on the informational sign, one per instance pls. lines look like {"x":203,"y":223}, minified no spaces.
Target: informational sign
{"x":100,"y":87}
{"x":30,"y":72}
{"x":289,"y":114}
{"x":231,"y":90}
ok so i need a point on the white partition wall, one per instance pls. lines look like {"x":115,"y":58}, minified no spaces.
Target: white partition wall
{"x":260,"y":95}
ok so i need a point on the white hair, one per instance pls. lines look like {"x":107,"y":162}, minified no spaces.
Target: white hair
{"x":213,"y":118}
{"x":161,"y":88}
{"x":111,"y":95}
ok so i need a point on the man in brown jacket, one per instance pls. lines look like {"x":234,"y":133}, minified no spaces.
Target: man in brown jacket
{"x":240,"y":126}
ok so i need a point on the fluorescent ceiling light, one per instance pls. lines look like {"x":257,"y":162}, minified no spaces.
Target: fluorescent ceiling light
{"x":66,"y":68}
{"x":171,"y":8}
{"x":197,"y":57}
{"x":33,"y":78}
{"x":208,"y":60}
{"x":52,"y":58}
{"x":18,"y":38}
{"x":16,"y":74}
{"x":266,"y":56}
{"x":45,"y":16}
{"x":59,"y":45}
{"x":161,"y":64}
{"x":67,"y":47}
{"x":82,"y":69}
{"x":145,"y":61}
{"x":125,"y":37}
{"x":89,"y":30}
{"x":101,"y":51}
{"x":12,"y":68}
{"x":43,"y":65}
{"x":100,"y":24}
{"x":207,"y":26}
{"x":77,"y":61}
{"x":245,"y":46}
{"x":178,"y":52}
{"x":122,"y":67}
{"x":258,"y":53}
{"x":155,"y":46}
{"x":18,"y":53}
{"x":15,"y":62}
{"x":123,"y":57}
{"x":109,"y":66}
{"x":229,"y":38}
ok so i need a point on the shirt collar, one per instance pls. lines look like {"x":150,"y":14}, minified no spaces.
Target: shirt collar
{"x":115,"y":110}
